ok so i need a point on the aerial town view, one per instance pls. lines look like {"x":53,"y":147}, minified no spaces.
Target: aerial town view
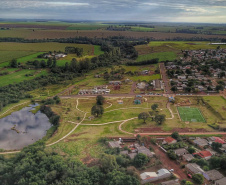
{"x":112,"y":92}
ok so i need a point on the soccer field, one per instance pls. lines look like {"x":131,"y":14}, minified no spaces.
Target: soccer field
{"x":191,"y":114}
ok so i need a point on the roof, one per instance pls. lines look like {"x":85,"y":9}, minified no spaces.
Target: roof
{"x":115,"y":144}
{"x":214,"y":175}
{"x":132,"y":155}
{"x":148,"y":175}
{"x":162,"y":172}
{"x":204,"y":154}
{"x":144,"y":150}
{"x":169,"y":139}
{"x":194,"y":168}
{"x":171,"y":182}
{"x":201,"y":142}
{"x":221,"y":181}
{"x":218,"y":140}
{"x":188,"y":157}
{"x":180,"y":151}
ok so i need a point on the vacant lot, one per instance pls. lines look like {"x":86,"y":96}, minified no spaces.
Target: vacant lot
{"x":162,"y":56}
{"x":190,"y":114}
{"x":218,"y":103}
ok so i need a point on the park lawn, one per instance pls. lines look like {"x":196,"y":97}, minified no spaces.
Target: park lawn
{"x":20,"y":76}
{"x":218,"y":103}
{"x":8,"y":55}
{"x":191,"y":114}
{"x":162,"y":56}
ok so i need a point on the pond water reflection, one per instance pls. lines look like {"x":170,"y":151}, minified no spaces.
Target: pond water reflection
{"x":22,"y":128}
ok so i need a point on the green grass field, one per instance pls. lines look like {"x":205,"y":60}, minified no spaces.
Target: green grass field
{"x":163,"y":56}
{"x":19,"y":76}
{"x":6,"y":55}
{"x":173,"y":46}
{"x":191,"y":114}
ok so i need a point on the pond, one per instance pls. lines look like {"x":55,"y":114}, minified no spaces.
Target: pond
{"x":22,"y":128}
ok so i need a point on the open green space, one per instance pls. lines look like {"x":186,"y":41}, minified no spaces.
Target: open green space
{"x":173,"y":46}
{"x":218,"y":103}
{"x":163,"y":56}
{"x":191,"y":114}
{"x":7,"y":55}
{"x":20,"y":76}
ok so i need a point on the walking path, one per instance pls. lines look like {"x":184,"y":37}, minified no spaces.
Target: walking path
{"x":13,"y":108}
{"x":120,"y":126}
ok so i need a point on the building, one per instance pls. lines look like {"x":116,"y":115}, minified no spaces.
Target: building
{"x":221,"y":181}
{"x":115,"y":82}
{"x":193,"y":168}
{"x":171,"y":182}
{"x":201,"y":142}
{"x":157,"y":85}
{"x":148,"y":177}
{"x":213,"y":175}
{"x":216,"y":140}
{"x":204,"y":154}
{"x":169,"y":141}
{"x":153,"y":176}
{"x":142,"y":85}
{"x":187,"y":157}
{"x":145,"y":151}
{"x":114,"y":144}
{"x":180,"y":152}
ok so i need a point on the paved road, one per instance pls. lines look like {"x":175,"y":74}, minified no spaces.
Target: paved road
{"x":165,"y":78}
{"x":183,"y":133}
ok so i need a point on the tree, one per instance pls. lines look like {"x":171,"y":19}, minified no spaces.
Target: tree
{"x":185,"y":182}
{"x":154,"y":106}
{"x":120,"y":178}
{"x":215,"y":162}
{"x":171,"y":154}
{"x":159,"y":119}
{"x":99,"y":100}
{"x":191,"y":149}
{"x":108,"y":163}
{"x":152,"y":113}
{"x":174,"y":89}
{"x":198,"y":178}
{"x":140,"y":160}
{"x":216,"y":145}
{"x":143,"y":116}
{"x":175,"y":135}
{"x":97,"y":110}
{"x":13,"y":63}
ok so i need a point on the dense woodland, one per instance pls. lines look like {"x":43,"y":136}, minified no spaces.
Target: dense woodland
{"x":35,"y":165}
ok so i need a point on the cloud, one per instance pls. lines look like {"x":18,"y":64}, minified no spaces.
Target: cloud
{"x":132,"y":10}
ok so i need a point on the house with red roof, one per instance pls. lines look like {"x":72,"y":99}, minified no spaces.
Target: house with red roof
{"x":218,"y":140}
{"x":169,"y":141}
{"x":204,"y":154}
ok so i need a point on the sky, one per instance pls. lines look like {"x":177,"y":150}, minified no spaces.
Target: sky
{"x":200,"y":11}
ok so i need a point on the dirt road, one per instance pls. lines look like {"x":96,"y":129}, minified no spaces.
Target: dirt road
{"x":168,"y":163}
{"x":165,"y":78}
